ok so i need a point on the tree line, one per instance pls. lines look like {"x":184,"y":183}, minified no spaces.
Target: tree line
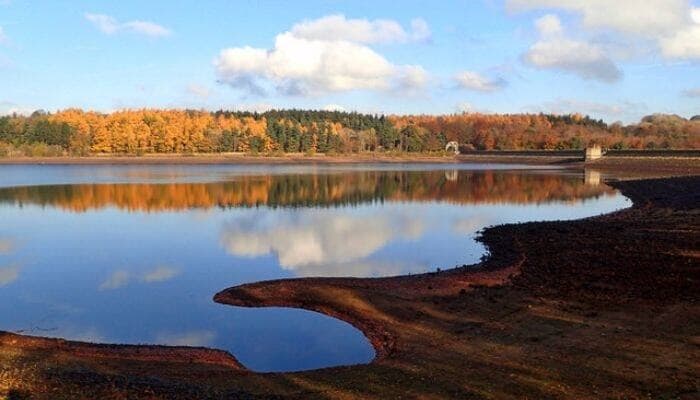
{"x":78,"y":132}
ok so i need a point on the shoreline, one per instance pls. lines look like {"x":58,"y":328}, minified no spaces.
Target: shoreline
{"x":222,"y":159}
{"x":638,"y":166}
{"x":605,"y":306}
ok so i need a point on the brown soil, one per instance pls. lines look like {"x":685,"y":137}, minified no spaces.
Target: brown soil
{"x":604,"y":307}
{"x":643,"y":166}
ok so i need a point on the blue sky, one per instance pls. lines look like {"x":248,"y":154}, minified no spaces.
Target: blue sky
{"x":616,"y":61}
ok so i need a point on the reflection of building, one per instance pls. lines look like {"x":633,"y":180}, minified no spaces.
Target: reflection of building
{"x":452,"y":176}
{"x":591,"y":177}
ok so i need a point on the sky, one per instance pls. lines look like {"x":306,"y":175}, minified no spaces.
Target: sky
{"x":617,"y":61}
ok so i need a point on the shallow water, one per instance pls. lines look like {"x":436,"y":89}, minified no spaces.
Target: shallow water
{"x":134,"y":254}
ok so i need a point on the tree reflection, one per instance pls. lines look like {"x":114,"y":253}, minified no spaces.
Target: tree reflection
{"x":300,"y":190}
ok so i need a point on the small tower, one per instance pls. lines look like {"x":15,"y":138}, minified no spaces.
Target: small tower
{"x":593,"y":153}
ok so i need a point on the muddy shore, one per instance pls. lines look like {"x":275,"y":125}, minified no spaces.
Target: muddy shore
{"x":604,"y":307}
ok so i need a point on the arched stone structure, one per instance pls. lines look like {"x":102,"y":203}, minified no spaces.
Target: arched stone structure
{"x":452,"y":146}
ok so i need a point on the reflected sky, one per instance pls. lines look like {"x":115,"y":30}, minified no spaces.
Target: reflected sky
{"x":25,"y":175}
{"x":136,"y":262}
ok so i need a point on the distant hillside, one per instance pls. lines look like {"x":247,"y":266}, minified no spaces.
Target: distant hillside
{"x":80,"y":132}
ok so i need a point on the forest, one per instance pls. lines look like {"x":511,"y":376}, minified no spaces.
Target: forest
{"x":137,"y":132}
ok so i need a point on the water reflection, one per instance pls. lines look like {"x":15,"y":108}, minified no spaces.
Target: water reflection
{"x":192,"y":338}
{"x":9,"y":274}
{"x":459,"y":187}
{"x":137,"y":262}
{"x":121,"y":278}
{"x":160,"y":274}
{"x":321,"y":242}
{"x":470,"y":225}
{"x":118,"y":279}
{"x":592,"y":177}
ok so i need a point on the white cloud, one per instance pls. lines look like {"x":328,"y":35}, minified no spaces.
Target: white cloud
{"x":474,"y":81}
{"x":317,"y":57}
{"x":339,"y":28}
{"x":549,"y":25}
{"x":109,"y":25}
{"x":300,"y":66}
{"x":684,"y":44}
{"x":581,"y":58}
{"x":191,"y":339}
{"x":160,"y":274}
{"x":9,"y":274}
{"x":411,"y":78}
{"x":317,"y":243}
{"x":146,"y":28}
{"x":648,"y":17}
{"x":117,"y":280}
{"x":104,"y":23}
{"x":555,"y":51}
{"x":694,"y":92}
{"x":672,"y":25}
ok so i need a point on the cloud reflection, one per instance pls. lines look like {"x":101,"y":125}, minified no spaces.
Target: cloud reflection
{"x":160,"y":274}
{"x":7,"y":245}
{"x":361,"y":268}
{"x":191,"y":339}
{"x":121,"y":278}
{"x":118,"y":279}
{"x":468,"y":226}
{"x":321,"y":243}
{"x":9,"y":274}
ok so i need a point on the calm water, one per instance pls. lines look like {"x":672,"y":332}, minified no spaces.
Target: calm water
{"x":134,"y":254}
